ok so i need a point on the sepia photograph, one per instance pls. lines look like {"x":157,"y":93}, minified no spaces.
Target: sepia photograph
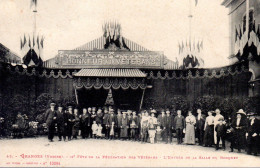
{"x":130,"y":83}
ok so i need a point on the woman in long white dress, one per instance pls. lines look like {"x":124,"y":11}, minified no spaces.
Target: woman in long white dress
{"x":190,"y":129}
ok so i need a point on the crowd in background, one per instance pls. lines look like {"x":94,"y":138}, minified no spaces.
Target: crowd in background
{"x":149,"y":126}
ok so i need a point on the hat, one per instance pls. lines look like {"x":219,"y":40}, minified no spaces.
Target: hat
{"x":168,"y":111}
{"x":53,"y":104}
{"x":153,"y":111}
{"x":134,"y":112}
{"x":251,"y":114}
{"x":124,"y":112}
{"x":221,"y":119}
{"x":69,"y":107}
{"x":241,"y":111}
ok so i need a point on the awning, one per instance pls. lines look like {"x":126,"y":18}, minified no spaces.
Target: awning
{"x":135,"y":73}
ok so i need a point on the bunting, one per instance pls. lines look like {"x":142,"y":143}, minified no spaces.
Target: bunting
{"x":191,"y":54}
{"x":34,"y":45}
{"x":244,"y":41}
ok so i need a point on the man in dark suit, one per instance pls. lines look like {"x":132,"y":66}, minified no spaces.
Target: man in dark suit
{"x":50,"y":118}
{"x":168,"y":127}
{"x":89,"y":131}
{"x":61,"y":123}
{"x":105,"y":121}
{"x":71,"y":120}
{"x":179,"y":125}
{"x":84,"y":123}
{"x":252,"y":134}
{"x":200,"y":123}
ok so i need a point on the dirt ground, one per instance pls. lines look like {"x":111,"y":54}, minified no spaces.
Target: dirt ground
{"x":38,"y":152}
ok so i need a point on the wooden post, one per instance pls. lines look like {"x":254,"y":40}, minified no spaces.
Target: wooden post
{"x":76,"y":95}
{"x":142,"y":99}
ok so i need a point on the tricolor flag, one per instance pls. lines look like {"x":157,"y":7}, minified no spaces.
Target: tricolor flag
{"x":34,"y":3}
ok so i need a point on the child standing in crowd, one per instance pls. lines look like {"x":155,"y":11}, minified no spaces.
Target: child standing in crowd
{"x":94,"y":129}
{"x":221,"y":133}
{"x":158,"y":134}
{"x":99,"y":131}
{"x":151,"y":131}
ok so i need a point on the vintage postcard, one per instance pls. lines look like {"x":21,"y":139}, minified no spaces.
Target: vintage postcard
{"x":130,"y":83}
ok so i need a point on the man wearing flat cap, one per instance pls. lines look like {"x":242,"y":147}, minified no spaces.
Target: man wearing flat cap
{"x":50,"y":118}
{"x":239,"y":125}
{"x":61,"y":123}
{"x":253,"y":133}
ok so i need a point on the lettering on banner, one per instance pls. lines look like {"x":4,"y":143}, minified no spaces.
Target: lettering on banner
{"x":81,"y":59}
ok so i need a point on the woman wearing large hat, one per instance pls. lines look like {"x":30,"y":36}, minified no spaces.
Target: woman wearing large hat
{"x":239,"y":127}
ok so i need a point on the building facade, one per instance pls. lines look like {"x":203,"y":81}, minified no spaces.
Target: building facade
{"x":244,"y":18}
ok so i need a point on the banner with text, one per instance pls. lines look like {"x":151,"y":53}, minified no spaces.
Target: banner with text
{"x":109,"y":59}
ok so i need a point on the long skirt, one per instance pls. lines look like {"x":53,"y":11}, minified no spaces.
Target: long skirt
{"x":209,"y":135}
{"x":124,"y":132}
{"x":189,"y":134}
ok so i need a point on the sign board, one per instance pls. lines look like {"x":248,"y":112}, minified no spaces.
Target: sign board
{"x":109,"y":59}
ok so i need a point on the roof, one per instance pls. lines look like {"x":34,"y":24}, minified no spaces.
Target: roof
{"x":99,"y":44}
{"x":6,"y":55}
{"x":110,"y":73}
{"x":226,"y":3}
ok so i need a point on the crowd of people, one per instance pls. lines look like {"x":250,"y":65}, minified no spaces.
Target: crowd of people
{"x":151,"y":127}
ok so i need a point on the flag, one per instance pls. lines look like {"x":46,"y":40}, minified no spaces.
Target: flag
{"x":201,"y":44}
{"x":190,"y":44}
{"x":237,"y":35}
{"x":21,"y":43}
{"x":33,"y":42}
{"x":41,"y":47}
{"x":34,"y":3}
{"x":240,"y":33}
{"x":24,"y":40}
{"x":198,"y":46}
{"x":29,"y":42}
{"x":196,"y":2}
{"x":38,"y":43}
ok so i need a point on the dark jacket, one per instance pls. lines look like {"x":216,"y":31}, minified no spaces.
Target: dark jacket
{"x":85,"y":120}
{"x":105,"y":118}
{"x":99,"y":118}
{"x":110,"y":120}
{"x":200,"y":123}
{"x":49,"y":117}
{"x":168,"y":122}
{"x":60,"y":117}
{"x":162,"y":120}
{"x":179,"y":122}
{"x":221,"y":130}
{"x":253,"y":128}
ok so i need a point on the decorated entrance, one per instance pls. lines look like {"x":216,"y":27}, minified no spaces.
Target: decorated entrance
{"x":127,"y":86}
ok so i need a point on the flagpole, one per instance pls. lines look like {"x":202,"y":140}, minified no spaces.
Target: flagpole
{"x":34,"y":25}
{"x":247,"y":17}
{"x":190,"y":19}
